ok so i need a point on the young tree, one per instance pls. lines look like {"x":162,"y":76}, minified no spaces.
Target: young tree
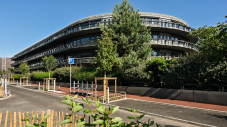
{"x":24,"y":69}
{"x":107,"y":51}
{"x":11,"y":70}
{"x":3,"y":73}
{"x":130,"y":35}
{"x":49,"y":63}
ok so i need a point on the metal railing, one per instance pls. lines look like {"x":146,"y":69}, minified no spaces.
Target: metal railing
{"x":92,"y":25}
{"x":169,"y":42}
{"x":65,"y":62}
{"x":59,"y":49}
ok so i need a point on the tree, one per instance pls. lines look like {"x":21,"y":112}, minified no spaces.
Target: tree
{"x":107,"y":51}
{"x":3,"y":73}
{"x":157,"y":66}
{"x":11,"y":70}
{"x":129,"y":35}
{"x":49,"y":63}
{"x":24,"y":69}
{"x":212,"y":39}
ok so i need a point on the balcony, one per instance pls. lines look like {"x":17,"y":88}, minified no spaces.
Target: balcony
{"x":59,"y":49}
{"x":93,"y":25}
{"x":82,"y":60}
{"x":179,"y":44}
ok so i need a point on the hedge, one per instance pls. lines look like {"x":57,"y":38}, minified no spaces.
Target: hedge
{"x":17,"y":76}
{"x":39,"y":76}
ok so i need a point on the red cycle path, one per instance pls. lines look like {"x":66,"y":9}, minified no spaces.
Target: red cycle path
{"x":168,"y":101}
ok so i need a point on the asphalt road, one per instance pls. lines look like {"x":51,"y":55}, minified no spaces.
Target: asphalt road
{"x":201,"y":116}
{"x":24,"y":100}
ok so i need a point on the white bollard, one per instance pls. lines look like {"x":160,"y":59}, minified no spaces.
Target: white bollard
{"x":39,"y":85}
{"x":82,"y":88}
{"x":74,"y":86}
{"x":6,"y":87}
{"x":48,"y":85}
{"x":87,"y":89}
{"x":92,"y":87}
{"x":108,"y":98}
{"x":54,"y":86}
{"x":78,"y":85}
{"x":17,"y":83}
{"x":70,"y":86}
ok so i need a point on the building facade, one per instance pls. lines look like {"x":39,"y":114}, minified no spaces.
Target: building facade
{"x":5,"y":63}
{"x":79,"y":40}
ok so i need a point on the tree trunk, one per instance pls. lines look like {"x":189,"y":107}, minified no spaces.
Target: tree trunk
{"x":49,"y":74}
{"x":105,"y":74}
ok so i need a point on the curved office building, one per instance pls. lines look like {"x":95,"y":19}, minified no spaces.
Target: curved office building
{"x":79,"y":40}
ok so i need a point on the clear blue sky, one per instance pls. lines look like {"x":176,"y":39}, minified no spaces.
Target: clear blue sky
{"x":25,"y":22}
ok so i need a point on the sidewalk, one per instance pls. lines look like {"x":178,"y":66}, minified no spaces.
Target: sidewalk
{"x":166,"y":101}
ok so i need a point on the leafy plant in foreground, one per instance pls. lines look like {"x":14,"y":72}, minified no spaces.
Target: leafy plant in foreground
{"x":137,"y":119}
{"x":103,"y":114}
{"x":73,"y":108}
{"x":41,"y":121}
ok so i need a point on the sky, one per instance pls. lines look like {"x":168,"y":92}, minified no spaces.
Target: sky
{"x":25,"y":22}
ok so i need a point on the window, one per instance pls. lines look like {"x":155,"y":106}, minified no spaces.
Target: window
{"x":149,"y":20}
{"x":85,"y":25}
{"x":155,"y":53}
{"x":85,"y":40}
{"x":93,"y":38}
{"x":173,"y":25}
{"x":84,"y":55}
{"x":155,"y":21}
{"x":161,"y":37}
{"x":95,"y":23}
{"x":98,"y":37}
{"x":155,"y":36}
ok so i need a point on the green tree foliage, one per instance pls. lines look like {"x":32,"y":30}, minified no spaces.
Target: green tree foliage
{"x":17,"y":76}
{"x":63,"y":73}
{"x":201,"y":70}
{"x":135,"y":74}
{"x":107,"y":51}
{"x":3,"y":73}
{"x":49,"y":63}
{"x":212,"y":39}
{"x":129,"y":35}
{"x":157,"y":66}
{"x":11,"y":70}
{"x":86,"y":74}
{"x":24,"y":69}
{"x":39,"y":76}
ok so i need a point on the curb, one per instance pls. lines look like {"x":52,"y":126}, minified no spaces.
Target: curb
{"x":10,"y":96}
{"x":161,"y":116}
{"x":189,"y":107}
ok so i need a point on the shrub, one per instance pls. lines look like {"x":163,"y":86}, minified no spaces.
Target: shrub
{"x":86,"y":74}
{"x":63,"y":73}
{"x":17,"y":76}
{"x":200,"y":70}
{"x":39,"y":76}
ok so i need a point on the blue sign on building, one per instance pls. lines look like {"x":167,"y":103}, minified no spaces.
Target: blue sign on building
{"x":71,"y":60}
